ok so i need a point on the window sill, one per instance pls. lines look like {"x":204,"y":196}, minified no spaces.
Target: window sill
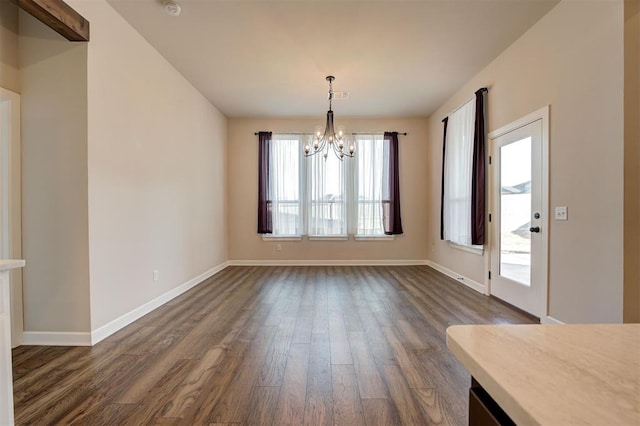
{"x":374,"y":237}
{"x":328,"y":237}
{"x":268,"y":237}
{"x":468,"y":249}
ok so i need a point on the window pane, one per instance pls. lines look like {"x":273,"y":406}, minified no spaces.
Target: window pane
{"x":334,"y":204}
{"x":369,"y":157}
{"x":327,"y":218}
{"x":458,"y":168}
{"x":515,"y":211}
{"x":327,"y":210}
{"x":285,"y":187}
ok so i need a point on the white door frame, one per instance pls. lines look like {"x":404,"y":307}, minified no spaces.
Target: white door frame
{"x":541,"y":114}
{"x":11,"y":203}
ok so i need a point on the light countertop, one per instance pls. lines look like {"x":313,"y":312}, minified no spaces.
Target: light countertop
{"x":556,"y":374}
{"x":6,"y":264}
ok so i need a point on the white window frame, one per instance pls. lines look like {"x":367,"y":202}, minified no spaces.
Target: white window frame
{"x":351,"y":201}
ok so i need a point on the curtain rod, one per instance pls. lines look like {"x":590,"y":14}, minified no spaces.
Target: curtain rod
{"x":355,"y":133}
{"x":290,"y":133}
{"x":377,"y":133}
{"x":483,"y":89}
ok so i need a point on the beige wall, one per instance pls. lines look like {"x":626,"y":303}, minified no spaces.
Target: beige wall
{"x":632,"y":161}
{"x":571,"y":60}
{"x":54,"y":166}
{"x":124,"y":173}
{"x":157,"y":171}
{"x":245,"y":244}
{"x":9,"y":72}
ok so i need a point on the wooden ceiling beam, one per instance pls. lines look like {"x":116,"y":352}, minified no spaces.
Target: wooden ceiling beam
{"x":59,"y":16}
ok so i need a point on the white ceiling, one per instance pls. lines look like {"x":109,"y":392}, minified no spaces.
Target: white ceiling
{"x":267,"y":58}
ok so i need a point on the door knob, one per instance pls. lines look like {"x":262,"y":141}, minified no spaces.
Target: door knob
{"x":534,"y":229}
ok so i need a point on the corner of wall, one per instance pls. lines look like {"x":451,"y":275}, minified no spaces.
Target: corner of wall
{"x":9,"y":66}
{"x":631,"y":161}
{"x":54,"y":180}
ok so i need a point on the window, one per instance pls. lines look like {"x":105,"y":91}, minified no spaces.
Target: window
{"x":463,"y":175}
{"x":326,"y":197}
{"x":369,"y":182}
{"x":457,"y":175}
{"x":284,"y":185}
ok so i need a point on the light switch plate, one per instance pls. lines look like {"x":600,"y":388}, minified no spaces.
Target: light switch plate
{"x":561,"y":213}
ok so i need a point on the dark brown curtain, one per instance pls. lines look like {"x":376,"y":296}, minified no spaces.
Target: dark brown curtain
{"x":391,"y":195}
{"x":478,"y":173}
{"x":444,"y":151}
{"x":265,"y":222}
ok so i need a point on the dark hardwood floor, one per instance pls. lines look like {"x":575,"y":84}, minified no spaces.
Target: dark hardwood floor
{"x":271,"y":345}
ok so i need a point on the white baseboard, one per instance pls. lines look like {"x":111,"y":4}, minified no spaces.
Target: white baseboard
{"x":362,"y":262}
{"x":53,"y":338}
{"x":44,"y":338}
{"x":481,"y":288}
{"x":550,"y":320}
{"x":107,"y":330}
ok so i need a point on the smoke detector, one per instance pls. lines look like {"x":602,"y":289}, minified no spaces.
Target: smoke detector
{"x":172,"y":8}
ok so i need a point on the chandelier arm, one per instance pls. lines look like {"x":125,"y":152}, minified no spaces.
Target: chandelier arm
{"x":337,"y":151}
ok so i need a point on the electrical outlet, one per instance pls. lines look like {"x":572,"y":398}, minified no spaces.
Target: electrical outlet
{"x":278,"y":247}
{"x":156,"y":275}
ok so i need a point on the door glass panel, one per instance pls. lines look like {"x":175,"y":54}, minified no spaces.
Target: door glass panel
{"x":515,"y":211}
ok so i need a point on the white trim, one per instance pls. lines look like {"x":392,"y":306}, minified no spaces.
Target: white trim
{"x":11,"y":204}
{"x":269,"y":237}
{"x":480,"y":288}
{"x":468,"y":249}
{"x":328,"y":237}
{"x":374,"y":237}
{"x":55,"y":338}
{"x":543,"y":115}
{"x":363,"y":262}
{"x":544,"y":255}
{"x":107,"y":330}
{"x":550,"y":320}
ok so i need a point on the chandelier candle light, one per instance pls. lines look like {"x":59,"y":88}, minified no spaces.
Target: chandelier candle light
{"x":330,"y":139}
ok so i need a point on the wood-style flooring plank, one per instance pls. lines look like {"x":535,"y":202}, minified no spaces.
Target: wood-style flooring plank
{"x":408,"y":409}
{"x":319,"y":403}
{"x":340,"y":350}
{"x":263,"y":405}
{"x":347,"y":406}
{"x":191,"y":387}
{"x":304,"y":324}
{"x":199,"y":412}
{"x":321,"y":302}
{"x":228,"y":403}
{"x":293,"y":392}
{"x":312,"y":345}
{"x":369,"y":381}
{"x":434,"y":409}
{"x":150,"y":408}
{"x":380,"y":412}
{"x":404,"y":360}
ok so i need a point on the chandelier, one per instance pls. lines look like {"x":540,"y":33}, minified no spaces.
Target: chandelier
{"x":330,"y":140}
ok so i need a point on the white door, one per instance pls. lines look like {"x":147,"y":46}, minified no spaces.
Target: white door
{"x":518,"y":214}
